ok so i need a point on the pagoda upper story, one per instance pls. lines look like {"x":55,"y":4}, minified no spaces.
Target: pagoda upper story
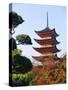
{"x":47,"y":43}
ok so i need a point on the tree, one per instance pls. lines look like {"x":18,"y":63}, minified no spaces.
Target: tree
{"x":14,"y":21}
{"x":21,"y":64}
{"x":23,"y":39}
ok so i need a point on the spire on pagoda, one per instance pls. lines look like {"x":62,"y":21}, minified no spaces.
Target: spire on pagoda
{"x":47,"y":19}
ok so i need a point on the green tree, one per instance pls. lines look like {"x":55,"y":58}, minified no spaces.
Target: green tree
{"x":18,"y":64}
{"x":21,"y":64}
{"x":23,"y":39}
{"x":14,"y":21}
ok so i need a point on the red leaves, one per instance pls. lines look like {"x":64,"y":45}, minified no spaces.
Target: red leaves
{"x":52,"y":74}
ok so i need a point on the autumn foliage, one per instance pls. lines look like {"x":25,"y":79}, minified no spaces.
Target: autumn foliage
{"x":50,"y":73}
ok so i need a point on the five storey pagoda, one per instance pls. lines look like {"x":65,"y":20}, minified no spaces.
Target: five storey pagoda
{"x":48,"y":42}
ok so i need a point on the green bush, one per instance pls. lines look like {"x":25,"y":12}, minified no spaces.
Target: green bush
{"x":16,"y":52}
{"x":21,"y":64}
{"x":22,"y":79}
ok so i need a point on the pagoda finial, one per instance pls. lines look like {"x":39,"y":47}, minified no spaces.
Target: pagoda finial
{"x":47,"y":19}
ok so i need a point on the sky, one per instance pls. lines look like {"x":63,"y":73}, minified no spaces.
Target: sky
{"x":36,"y":19}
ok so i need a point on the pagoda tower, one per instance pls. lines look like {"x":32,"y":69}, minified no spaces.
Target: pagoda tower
{"x":47,"y":44}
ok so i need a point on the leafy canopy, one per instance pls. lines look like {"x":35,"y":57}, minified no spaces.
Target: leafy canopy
{"x":21,"y":64}
{"x":16,"y":52}
{"x":14,"y":20}
{"x":23,"y":39}
{"x":22,"y":79}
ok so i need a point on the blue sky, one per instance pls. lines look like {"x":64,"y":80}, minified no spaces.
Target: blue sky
{"x":35,"y":19}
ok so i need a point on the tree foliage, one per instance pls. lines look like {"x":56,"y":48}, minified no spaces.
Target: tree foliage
{"x":22,"y":79}
{"x":21,"y":64}
{"x":16,"y":52}
{"x":55,"y":75}
{"x":14,"y":19}
{"x":23,"y":39}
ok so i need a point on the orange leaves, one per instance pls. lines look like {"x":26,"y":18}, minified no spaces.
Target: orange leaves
{"x":53,"y":74}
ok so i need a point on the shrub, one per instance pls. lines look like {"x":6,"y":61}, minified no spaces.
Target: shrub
{"x":16,"y":52}
{"x":21,"y":64}
{"x":22,"y":79}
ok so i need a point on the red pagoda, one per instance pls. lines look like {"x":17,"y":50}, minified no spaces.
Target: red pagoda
{"x":48,"y":42}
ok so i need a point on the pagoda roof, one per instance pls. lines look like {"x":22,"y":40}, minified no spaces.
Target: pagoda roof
{"x":39,"y":58}
{"x":47,"y":33}
{"x":45,"y":50}
{"x":45,"y":30}
{"x":52,"y":41}
{"x":42,"y":58}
